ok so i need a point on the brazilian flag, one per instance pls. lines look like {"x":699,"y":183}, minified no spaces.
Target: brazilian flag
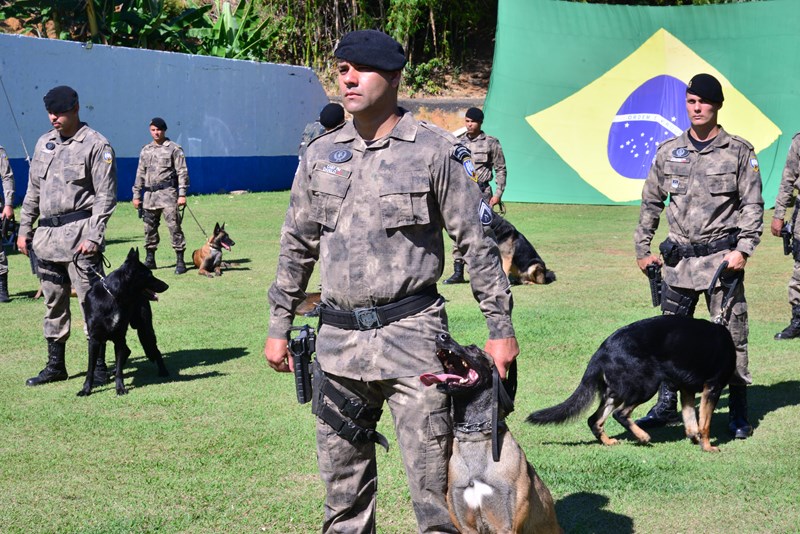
{"x":581,"y":95}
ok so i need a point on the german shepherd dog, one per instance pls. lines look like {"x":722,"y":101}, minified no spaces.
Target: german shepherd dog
{"x":521,"y":263}
{"x":484,"y":495}
{"x":120,"y":299}
{"x":209,"y":258}
{"x":693,"y":355}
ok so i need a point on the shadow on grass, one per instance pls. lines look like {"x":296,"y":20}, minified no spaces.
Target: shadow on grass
{"x":140,"y":372}
{"x":585,"y":512}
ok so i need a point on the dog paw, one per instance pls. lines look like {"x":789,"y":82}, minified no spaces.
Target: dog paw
{"x":122,"y":391}
{"x":84,"y":393}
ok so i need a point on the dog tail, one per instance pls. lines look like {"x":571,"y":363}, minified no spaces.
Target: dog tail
{"x":575,"y":404}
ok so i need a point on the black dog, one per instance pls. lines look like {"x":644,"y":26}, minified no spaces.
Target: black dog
{"x":120,"y":299}
{"x":484,"y":495}
{"x":693,"y":355}
{"x":521,"y":263}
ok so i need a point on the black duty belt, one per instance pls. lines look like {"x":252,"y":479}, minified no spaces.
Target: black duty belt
{"x":66,"y":218}
{"x":159,"y":186}
{"x":378,"y":316}
{"x":697,"y":250}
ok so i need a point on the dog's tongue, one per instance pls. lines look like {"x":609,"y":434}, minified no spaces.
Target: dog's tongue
{"x":430,"y":379}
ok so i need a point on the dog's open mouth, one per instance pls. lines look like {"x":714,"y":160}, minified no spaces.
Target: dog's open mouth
{"x":225,"y":246}
{"x":457,"y":372}
{"x":151,"y":295}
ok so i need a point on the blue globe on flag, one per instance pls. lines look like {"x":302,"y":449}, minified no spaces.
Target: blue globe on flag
{"x":653,"y":113}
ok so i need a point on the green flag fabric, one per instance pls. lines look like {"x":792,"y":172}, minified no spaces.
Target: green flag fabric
{"x":581,"y":95}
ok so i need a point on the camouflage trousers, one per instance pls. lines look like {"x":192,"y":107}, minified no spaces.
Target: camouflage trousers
{"x":486,"y":194}
{"x":57,"y":280}
{"x":736,"y":317}
{"x":794,"y":285}
{"x":349,"y":470}
{"x":152,"y":220}
{"x":3,"y":262}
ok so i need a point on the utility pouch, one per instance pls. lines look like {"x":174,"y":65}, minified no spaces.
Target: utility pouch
{"x":670,"y":253}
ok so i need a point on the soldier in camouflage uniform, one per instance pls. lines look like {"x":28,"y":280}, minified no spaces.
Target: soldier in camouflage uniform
{"x":369,"y":202}
{"x":487,"y":155}
{"x":786,"y":197}
{"x":7,"y":176}
{"x":164,"y":179}
{"x":331,"y":116}
{"x":715,"y":214}
{"x":72,"y":192}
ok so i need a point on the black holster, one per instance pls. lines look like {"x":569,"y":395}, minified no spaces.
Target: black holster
{"x":669,"y":252}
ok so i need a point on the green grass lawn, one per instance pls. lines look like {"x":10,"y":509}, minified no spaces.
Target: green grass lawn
{"x":223,"y":446}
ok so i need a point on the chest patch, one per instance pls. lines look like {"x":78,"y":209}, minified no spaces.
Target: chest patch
{"x":680,"y":153}
{"x":335,"y":170}
{"x":50,"y":146}
{"x":340,"y":156}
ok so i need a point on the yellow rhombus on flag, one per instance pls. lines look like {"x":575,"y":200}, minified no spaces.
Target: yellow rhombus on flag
{"x":593,"y":110}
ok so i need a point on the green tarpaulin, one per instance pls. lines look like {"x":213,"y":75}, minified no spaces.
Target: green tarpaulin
{"x":581,"y":95}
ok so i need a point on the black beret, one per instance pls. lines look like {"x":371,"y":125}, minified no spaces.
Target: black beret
{"x":331,"y":115}
{"x":475,"y":114}
{"x":159,"y":123}
{"x":372,"y":49}
{"x":706,"y":87}
{"x":60,"y":99}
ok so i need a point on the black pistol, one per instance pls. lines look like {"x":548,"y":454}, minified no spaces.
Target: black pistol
{"x":302,"y":347}
{"x":786,"y":234}
{"x":654,"y":275}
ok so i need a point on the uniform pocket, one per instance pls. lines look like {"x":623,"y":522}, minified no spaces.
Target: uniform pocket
{"x":74,"y":171}
{"x":437,"y":449}
{"x":164,"y":163}
{"x":404,"y":201}
{"x":722,"y":179}
{"x":328,"y":192}
{"x":40,"y":164}
{"x":480,"y":156}
{"x":676,"y":177}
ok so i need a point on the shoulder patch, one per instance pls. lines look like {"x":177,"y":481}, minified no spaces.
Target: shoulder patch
{"x":754,"y":164}
{"x":461,"y":154}
{"x":485,"y":213}
{"x":108,"y":157}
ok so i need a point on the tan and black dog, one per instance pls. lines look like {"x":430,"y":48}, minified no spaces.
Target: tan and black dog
{"x":484,"y":495}
{"x":692,"y":355}
{"x":521,"y":263}
{"x":209,"y":258}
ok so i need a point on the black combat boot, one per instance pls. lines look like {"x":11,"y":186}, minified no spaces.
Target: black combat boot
{"x":665,"y":412}
{"x":737,"y":412}
{"x":4,"y":288}
{"x":56,"y":369}
{"x":180,"y":266}
{"x":150,"y":259}
{"x":793,"y":330}
{"x":458,"y":273}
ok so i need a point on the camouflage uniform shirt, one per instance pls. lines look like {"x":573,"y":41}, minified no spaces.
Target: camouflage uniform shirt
{"x":789,"y":183}
{"x":373,"y":216}
{"x":68,"y":175}
{"x":161,"y":164}
{"x":487,"y":154}
{"x":7,"y":175}
{"x":711,"y":193}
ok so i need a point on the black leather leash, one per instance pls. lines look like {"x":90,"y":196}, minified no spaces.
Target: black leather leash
{"x":501,"y":398}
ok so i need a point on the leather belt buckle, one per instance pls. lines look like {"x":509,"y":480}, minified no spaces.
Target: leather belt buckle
{"x":367,"y":318}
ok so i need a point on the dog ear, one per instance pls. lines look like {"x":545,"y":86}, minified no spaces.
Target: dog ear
{"x":216,"y":228}
{"x":133,"y":254}
{"x":222,"y":227}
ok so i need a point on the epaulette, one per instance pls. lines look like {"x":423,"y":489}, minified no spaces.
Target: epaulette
{"x":795,"y":135}
{"x":745,"y":142}
{"x":441,"y":132}
{"x":666,"y":142}
{"x":323,"y":134}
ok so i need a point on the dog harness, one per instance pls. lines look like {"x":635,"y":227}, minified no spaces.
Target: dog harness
{"x":378,"y":316}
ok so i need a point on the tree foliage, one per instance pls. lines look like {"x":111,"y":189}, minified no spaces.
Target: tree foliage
{"x":438,"y":35}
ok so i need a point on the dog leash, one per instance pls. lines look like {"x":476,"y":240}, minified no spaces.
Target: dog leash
{"x":180,"y":212}
{"x":501,"y":398}
{"x":726,"y":298}
{"x":85,"y":272}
